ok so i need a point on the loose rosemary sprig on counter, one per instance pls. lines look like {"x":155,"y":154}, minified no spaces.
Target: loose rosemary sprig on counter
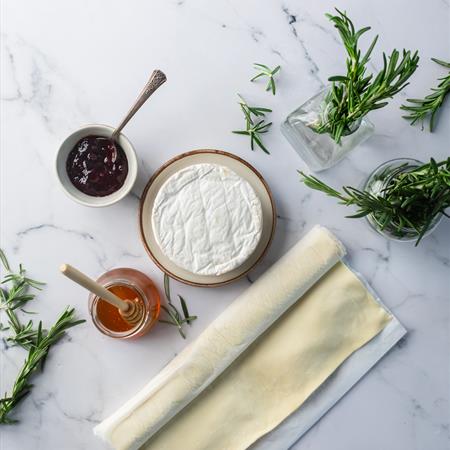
{"x":253,"y":127}
{"x":15,"y":298}
{"x":429,"y":106}
{"x":37,"y":341}
{"x":174,"y":316}
{"x":411,"y":199}
{"x":357,"y":93}
{"x":265,"y":71}
{"x":37,"y":354}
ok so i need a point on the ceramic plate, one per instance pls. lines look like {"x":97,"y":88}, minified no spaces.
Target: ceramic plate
{"x":244,"y":170}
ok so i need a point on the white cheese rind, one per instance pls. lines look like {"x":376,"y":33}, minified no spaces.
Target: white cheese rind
{"x":207,"y":219}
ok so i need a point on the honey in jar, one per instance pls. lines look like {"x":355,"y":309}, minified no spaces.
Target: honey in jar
{"x":127,"y":284}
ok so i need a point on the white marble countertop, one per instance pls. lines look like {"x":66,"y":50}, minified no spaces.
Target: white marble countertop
{"x":65,"y":64}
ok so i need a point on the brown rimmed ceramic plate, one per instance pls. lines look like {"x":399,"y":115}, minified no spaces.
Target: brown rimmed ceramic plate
{"x":242,"y":168}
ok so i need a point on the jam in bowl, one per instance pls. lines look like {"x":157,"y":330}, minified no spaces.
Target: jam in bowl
{"x":97,"y":166}
{"x":92,"y":169}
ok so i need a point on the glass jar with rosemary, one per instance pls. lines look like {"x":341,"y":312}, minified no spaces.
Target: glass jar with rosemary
{"x":409,"y":185}
{"x":403,"y":199}
{"x":317,"y":149}
{"x":332,"y":123}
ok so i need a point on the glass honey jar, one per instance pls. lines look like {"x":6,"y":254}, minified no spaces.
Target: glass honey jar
{"x":128,"y":284}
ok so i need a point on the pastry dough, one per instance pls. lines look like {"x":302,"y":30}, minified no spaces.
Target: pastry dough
{"x":280,"y":370}
{"x":274,"y":376}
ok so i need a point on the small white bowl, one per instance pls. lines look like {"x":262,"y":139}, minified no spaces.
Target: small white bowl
{"x":61,"y":171}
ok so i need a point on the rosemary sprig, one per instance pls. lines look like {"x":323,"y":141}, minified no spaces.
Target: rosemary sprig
{"x":412,"y":199}
{"x":37,"y":354}
{"x":37,"y":341}
{"x":174,"y":316}
{"x":253,"y":127}
{"x":429,"y":106}
{"x":355,"y":94}
{"x":265,"y":71}
{"x":16,"y":297}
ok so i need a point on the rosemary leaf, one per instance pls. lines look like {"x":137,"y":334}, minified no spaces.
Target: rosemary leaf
{"x":37,"y":341}
{"x":167,"y":286}
{"x":420,"y":109}
{"x":184,"y":307}
{"x":254,"y":130}
{"x":174,"y":316}
{"x":412,"y":199}
{"x":265,"y":71}
{"x":36,"y":356}
{"x":16,"y":297}
{"x":356,"y":93}
{"x":4,"y":261}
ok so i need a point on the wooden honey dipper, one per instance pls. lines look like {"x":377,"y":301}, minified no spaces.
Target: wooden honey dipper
{"x":132,"y":311}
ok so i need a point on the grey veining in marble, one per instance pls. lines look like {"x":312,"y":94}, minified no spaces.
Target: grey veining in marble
{"x":65,"y":64}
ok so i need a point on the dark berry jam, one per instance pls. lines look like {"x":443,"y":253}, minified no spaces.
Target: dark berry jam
{"x":95,"y":168}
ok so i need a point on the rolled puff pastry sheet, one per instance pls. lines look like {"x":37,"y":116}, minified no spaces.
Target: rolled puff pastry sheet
{"x":214,"y":396}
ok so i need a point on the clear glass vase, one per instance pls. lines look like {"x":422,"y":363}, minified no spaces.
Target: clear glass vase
{"x":319,"y":150}
{"x":378,"y":180}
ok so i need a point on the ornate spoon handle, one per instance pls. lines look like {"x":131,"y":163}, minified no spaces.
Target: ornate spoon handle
{"x":157,"y":78}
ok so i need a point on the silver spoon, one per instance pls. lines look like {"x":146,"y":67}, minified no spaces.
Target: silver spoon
{"x":157,"y":78}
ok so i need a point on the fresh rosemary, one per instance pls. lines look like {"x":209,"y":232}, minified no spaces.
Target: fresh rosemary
{"x":429,"y":106}
{"x":265,"y":71}
{"x":174,"y":316}
{"x":357,"y":93}
{"x":254,"y":127}
{"x":37,"y":341}
{"x":15,"y":298}
{"x":412,"y":198}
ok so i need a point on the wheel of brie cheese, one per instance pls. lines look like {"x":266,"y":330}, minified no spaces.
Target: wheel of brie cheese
{"x":207,"y":219}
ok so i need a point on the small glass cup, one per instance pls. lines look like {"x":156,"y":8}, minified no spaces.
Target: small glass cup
{"x":147,"y":291}
{"x":319,"y":150}
{"x":378,"y":180}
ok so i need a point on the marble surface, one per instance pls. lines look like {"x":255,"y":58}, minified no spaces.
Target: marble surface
{"x":65,"y":64}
